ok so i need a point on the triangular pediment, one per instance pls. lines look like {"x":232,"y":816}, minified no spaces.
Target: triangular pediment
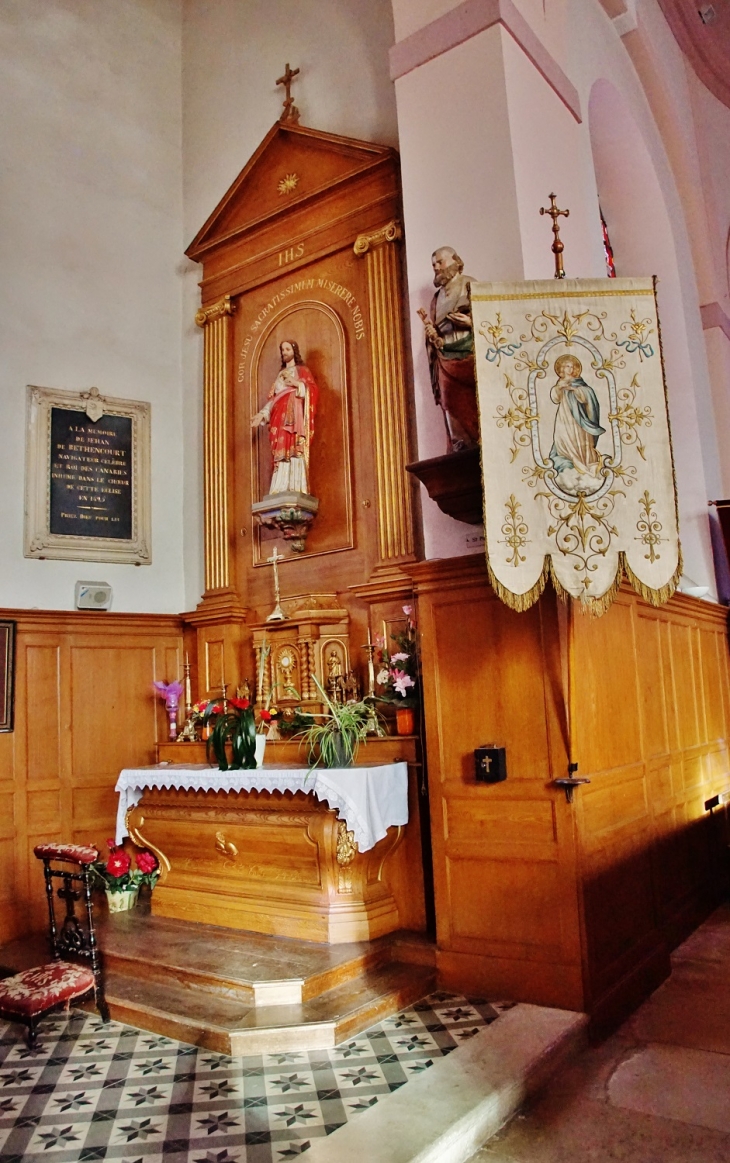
{"x":292,"y":165}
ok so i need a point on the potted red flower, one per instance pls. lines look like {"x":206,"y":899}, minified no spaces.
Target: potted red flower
{"x":120,"y":881}
{"x":234,"y":724}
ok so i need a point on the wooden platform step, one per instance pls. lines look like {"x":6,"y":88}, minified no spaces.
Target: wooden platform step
{"x":227,"y":1026}
{"x":256,"y":969}
{"x":244,"y":993}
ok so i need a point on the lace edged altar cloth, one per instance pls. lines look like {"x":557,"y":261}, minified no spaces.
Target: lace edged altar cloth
{"x":369,"y":799}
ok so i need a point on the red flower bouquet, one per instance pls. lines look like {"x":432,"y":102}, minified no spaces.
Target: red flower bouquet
{"x":117,"y":874}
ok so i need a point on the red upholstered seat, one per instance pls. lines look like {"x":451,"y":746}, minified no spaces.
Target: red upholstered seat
{"x":78,"y":853}
{"x":36,"y":990}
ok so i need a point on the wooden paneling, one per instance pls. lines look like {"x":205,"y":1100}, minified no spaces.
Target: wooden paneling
{"x":84,"y":708}
{"x":506,"y":895}
{"x":576,"y":905}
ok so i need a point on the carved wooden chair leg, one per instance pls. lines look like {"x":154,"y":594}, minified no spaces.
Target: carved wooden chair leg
{"x":102,"y":1007}
{"x":32,"y":1033}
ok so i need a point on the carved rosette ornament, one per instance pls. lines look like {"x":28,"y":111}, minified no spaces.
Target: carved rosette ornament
{"x":395,"y":515}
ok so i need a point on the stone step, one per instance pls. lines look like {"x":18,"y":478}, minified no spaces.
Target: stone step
{"x":227,"y":1025}
{"x":446,"y":1113}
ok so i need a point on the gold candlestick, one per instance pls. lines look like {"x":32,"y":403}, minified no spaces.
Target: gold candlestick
{"x":372,"y":727}
{"x":371,"y":665}
{"x":277,"y":614}
{"x":188,"y":688}
{"x":189,"y":733}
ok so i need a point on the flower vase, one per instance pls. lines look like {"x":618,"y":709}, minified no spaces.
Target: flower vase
{"x":404,"y":721}
{"x":120,"y":902}
{"x":172,"y":720}
{"x":260,"y":749}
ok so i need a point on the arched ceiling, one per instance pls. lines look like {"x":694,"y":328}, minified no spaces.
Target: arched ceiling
{"x":705,"y":42}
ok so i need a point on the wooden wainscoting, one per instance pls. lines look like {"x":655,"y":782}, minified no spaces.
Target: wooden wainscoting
{"x":573,"y":905}
{"x":83,"y":711}
{"x":652,"y":733}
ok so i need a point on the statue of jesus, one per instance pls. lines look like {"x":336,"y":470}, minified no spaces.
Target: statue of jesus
{"x":289,"y":411}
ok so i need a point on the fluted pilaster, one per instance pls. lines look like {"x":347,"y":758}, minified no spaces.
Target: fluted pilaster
{"x":395,"y":510}
{"x":216,"y":322}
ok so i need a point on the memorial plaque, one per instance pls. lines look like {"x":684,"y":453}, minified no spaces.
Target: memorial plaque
{"x":91,"y":475}
{"x":87,"y":477}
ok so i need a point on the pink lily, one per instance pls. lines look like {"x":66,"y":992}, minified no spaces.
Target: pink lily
{"x":401,"y":681}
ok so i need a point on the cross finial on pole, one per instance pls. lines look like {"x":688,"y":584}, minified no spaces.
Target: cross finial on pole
{"x":557,"y":247}
{"x":290,"y":112}
{"x":277,"y":614}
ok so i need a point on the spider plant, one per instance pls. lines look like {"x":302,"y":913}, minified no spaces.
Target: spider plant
{"x":335,"y":741}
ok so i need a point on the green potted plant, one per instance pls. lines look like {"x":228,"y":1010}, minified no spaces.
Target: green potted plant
{"x":334,"y":738}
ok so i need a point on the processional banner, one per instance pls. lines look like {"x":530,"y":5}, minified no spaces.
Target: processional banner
{"x":576,"y":452}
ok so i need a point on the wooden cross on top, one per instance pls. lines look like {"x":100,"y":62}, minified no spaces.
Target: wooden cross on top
{"x":290,"y":112}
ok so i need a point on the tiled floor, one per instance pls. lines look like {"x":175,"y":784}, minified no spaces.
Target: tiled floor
{"x":656,"y":1092}
{"x":112,"y":1092}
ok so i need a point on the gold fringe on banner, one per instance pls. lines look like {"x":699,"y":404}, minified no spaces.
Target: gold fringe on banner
{"x":587,"y":605}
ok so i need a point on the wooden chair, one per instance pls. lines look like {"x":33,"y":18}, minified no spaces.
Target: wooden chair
{"x":29,"y":995}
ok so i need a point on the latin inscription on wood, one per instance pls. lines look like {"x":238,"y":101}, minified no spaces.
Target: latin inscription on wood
{"x":91,"y":475}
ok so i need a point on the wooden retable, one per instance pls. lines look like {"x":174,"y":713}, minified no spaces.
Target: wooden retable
{"x":278,"y":862}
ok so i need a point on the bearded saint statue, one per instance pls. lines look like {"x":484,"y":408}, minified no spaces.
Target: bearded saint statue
{"x":289,"y":411}
{"x":450,"y":346}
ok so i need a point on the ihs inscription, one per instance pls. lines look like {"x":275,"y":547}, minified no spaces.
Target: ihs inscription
{"x":290,"y":254}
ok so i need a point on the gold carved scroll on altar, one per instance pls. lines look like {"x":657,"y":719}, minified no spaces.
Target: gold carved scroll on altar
{"x":576,"y":451}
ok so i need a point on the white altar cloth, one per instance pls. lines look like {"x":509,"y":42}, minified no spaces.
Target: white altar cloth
{"x":369,"y":799}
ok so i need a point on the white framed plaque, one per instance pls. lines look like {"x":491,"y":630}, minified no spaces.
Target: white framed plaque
{"x":87,"y":477}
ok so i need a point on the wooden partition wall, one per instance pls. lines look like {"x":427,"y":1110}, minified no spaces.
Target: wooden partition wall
{"x":576,"y":905}
{"x":84,"y":709}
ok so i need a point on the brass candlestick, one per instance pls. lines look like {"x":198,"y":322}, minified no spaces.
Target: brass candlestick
{"x":277,"y":614}
{"x":372,"y":726}
{"x":189,"y":733}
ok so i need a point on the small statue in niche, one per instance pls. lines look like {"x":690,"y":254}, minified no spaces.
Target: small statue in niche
{"x":450,"y":346}
{"x":289,"y":411}
{"x":334,"y":677}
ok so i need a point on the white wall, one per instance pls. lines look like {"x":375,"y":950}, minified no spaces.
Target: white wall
{"x":90,"y":220}
{"x":233,"y":51}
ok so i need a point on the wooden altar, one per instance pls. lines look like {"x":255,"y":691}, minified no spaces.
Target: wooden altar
{"x":281,"y":863}
{"x":303,"y":254}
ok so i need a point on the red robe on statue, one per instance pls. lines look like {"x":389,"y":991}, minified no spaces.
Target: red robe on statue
{"x":291,"y":421}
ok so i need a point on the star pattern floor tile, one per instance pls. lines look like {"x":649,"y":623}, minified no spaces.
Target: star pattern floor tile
{"x":111,"y":1092}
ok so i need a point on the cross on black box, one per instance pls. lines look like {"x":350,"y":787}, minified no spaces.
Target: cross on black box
{"x":490,"y":764}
